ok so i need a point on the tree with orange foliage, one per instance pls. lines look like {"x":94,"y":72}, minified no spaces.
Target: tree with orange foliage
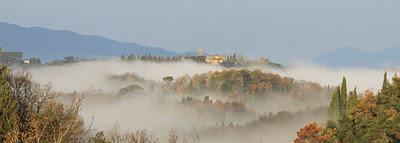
{"x":312,"y":133}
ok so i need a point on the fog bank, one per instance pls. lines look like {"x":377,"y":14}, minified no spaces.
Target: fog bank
{"x":362,"y":78}
{"x":93,"y":75}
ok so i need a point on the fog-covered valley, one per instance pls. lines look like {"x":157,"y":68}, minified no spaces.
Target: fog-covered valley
{"x":191,"y":105}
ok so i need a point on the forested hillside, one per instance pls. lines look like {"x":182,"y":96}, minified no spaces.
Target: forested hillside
{"x":244,"y":82}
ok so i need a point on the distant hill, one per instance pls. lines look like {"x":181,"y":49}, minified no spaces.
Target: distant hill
{"x":351,"y":57}
{"x":49,"y":44}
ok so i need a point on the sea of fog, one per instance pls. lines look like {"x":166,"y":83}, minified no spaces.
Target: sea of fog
{"x":84,"y":75}
{"x":159,"y":115}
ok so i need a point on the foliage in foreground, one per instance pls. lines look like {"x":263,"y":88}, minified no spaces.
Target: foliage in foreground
{"x":372,"y":118}
{"x":29,"y":113}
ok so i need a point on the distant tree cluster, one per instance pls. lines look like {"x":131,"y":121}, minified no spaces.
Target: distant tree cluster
{"x":232,"y":60}
{"x":133,"y":88}
{"x":151,"y":58}
{"x":374,"y":119}
{"x":235,"y":60}
{"x":242,"y":82}
{"x":126,"y":77}
{"x":217,"y":107}
{"x":69,"y":60}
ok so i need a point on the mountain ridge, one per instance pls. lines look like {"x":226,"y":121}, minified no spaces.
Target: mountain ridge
{"x":352,"y":57}
{"x":48,"y":44}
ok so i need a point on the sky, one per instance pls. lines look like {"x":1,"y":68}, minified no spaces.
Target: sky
{"x":282,"y":30}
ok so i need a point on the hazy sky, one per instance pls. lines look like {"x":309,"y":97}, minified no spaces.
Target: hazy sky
{"x":283,"y":30}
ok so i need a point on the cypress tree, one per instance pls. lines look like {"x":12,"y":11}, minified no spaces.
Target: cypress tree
{"x":334,"y":106}
{"x":385,"y":92}
{"x":337,"y":107}
{"x":352,"y":102}
{"x":386,"y":85}
{"x":343,"y":97}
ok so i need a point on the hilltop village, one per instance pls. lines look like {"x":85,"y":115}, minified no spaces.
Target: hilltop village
{"x":225,"y":60}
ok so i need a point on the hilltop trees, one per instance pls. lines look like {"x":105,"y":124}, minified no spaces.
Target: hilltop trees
{"x":230,"y":61}
{"x":151,"y":58}
{"x":238,"y":82}
{"x":244,"y":83}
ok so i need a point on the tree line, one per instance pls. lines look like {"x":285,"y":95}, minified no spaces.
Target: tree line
{"x":232,"y":60}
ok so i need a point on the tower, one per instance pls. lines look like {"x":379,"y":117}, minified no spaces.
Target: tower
{"x":200,"y":52}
